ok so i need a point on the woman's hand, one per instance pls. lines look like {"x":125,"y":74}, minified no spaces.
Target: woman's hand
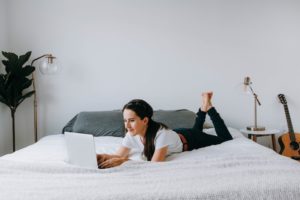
{"x":102,"y":157}
{"x":112,"y":162}
{"x":121,"y":154}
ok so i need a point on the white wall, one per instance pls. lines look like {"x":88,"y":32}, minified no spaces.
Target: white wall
{"x":3,"y":24}
{"x":5,"y":128}
{"x":166,"y":52}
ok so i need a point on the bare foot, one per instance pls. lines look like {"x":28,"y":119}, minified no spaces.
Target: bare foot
{"x":206,"y":101}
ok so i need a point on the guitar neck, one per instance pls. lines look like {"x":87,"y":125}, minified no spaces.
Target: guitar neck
{"x":289,"y":123}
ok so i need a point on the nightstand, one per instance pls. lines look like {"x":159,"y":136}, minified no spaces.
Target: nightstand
{"x":268,"y":132}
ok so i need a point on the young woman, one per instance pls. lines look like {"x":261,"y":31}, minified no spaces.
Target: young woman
{"x":155,"y":141}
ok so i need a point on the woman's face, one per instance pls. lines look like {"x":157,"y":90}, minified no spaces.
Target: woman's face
{"x":134,"y":124}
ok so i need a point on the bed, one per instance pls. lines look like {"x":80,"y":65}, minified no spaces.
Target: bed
{"x":236,"y":169}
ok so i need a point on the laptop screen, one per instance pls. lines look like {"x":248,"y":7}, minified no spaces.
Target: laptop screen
{"x":81,"y":150}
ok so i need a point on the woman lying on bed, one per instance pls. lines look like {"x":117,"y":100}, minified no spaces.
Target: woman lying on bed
{"x":155,"y":141}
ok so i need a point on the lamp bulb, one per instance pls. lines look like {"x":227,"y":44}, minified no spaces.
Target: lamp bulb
{"x":48,"y":68}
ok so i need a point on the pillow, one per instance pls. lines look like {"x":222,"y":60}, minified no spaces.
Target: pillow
{"x":110,"y":123}
{"x":177,"y":118}
{"x":69,"y":126}
{"x":101,"y":123}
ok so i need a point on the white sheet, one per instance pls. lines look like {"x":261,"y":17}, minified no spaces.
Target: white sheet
{"x":237,"y":169}
{"x":52,"y":148}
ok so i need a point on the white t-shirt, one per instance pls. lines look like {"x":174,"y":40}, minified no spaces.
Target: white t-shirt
{"x":164,"y":137}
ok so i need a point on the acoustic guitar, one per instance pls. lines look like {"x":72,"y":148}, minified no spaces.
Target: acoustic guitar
{"x":289,"y":142}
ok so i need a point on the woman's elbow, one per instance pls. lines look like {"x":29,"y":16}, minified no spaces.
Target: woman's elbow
{"x":162,"y":159}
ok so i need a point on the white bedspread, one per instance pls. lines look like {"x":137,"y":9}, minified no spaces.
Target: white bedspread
{"x":237,"y":169}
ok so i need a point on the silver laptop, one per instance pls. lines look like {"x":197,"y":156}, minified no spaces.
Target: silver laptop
{"x":81,"y":150}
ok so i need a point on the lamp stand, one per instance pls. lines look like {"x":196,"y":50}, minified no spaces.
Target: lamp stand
{"x":255,"y":127}
{"x":50,"y":60}
{"x":34,"y":109}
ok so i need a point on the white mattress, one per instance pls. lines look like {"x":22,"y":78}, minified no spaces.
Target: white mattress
{"x":237,"y":169}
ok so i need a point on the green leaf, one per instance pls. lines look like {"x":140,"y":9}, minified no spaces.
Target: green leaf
{"x":11,"y":64}
{"x":3,"y":86}
{"x":27,"y":84}
{"x":2,"y":91}
{"x":28,"y":94}
{"x":24,"y":58}
{"x":9,"y":55}
{"x":6,"y":64}
{"x":3,"y":100}
{"x":25,"y":96}
{"x":9,"y":79}
{"x":27,"y":70}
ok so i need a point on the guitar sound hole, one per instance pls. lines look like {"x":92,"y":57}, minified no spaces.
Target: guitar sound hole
{"x":294,"y":145}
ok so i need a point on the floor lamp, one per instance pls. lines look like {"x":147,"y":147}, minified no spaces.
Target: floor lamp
{"x":247,"y":84}
{"x":46,"y":67}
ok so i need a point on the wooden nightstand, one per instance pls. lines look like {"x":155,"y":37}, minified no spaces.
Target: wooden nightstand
{"x":268,"y":132}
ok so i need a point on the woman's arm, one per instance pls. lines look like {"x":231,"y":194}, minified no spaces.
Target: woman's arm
{"x":123,"y":151}
{"x":160,"y":154}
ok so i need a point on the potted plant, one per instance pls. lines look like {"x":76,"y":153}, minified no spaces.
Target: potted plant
{"x":14,"y":82}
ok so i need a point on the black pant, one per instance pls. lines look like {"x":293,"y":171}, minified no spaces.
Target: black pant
{"x":195,"y":136}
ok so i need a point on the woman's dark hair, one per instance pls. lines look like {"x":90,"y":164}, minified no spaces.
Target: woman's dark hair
{"x":142,"y":109}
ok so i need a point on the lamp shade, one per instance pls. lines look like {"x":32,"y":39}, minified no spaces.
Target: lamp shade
{"x":48,"y":66}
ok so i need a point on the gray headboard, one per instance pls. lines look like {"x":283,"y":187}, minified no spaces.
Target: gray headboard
{"x":110,"y":123}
